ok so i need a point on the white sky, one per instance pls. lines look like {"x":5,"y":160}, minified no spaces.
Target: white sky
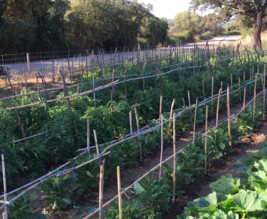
{"x":168,"y":8}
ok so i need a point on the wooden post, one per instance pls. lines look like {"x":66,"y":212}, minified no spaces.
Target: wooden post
{"x":96,"y":143}
{"x":131,"y":122}
{"x":5,"y":213}
{"x":161,"y":146}
{"x":229,"y":116}
{"x":255,"y":96}
{"x":112,"y":88}
{"x":206,"y":140}
{"x":263,"y":88}
{"x":88,"y":136}
{"x":170,"y":122}
{"x":183,"y":102}
{"x":174,"y":158}
{"x":101,"y":191}
{"x":222,"y":85}
{"x":239,"y":83}
{"x":195,"y":121}
{"x":28,"y":62}
{"x":160,"y":106}
{"x":212,"y":93}
{"x":119,"y":192}
{"x":203,"y":89}
{"x":189,"y":99}
{"x":93,"y":80}
{"x":137,"y":127}
{"x":218,"y":108}
{"x":244,"y":97}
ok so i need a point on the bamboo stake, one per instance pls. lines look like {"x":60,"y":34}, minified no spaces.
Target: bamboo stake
{"x":206,"y":140}
{"x":93,"y":78}
{"x":131,"y":122}
{"x":96,"y":143}
{"x":88,"y":135}
{"x":160,"y":106}
{"x":255,"y":95}
{"x":218,"y":108}
{"x":170,"y":122}
{"x":239,"y":83}
{"x":137,"y":126}
{"x":212,"y":93}
{"x":119,"y":192}
{"x":244,"y":97}
{"x":112,"y":88}
{"x":203,"y":89}
{"x":229,"y":116}
{"x":101,"y":190}
{"x":161,"y":146}
{"x":189,"y":99}
{"x":174,"y":158}
{"x":5,"y":213}
{"x":195,"y":121}
{"x":264,"y":100}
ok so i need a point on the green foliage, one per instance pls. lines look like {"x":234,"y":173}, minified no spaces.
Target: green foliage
{"x":153,"y":196}
{"x":22,"y":209}
{"x":57,"y":191}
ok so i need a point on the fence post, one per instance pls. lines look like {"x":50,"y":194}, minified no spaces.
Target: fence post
{"x":28,"y":62}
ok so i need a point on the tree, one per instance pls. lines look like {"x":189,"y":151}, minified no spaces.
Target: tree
{"x":256,"y":9}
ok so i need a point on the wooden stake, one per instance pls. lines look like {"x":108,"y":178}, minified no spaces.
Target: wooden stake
{"x":93,"y":78}
{"x":65,"y":90}
{"x":255,"y":95}
{"x":244,"y":97}
{"x":189,"y":99}
{"x":5,"y":213}
{"x":101,"y":191}
{"x":212,"y":93}
{"x":131,"y":122}
{"x":119,"y":192}
{"x":229,"y":116}
{"x":88,"y":136}
{"x":170,"y":122}
{"x":161,"y":145}
{"x":96,"y":143}
{"x":218,"y":108}
{"x":174,"y":158}
{"x":263,"y":88}
{"x":139,"y":139}
{"x":112,"y":88}
{"x":203,"y":89}
{"x":195,"y":122}
{"x":160,"y":106}
{"x":206,"y":140}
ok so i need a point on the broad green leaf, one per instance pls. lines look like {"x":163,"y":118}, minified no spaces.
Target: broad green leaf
{"x":247,"y":201}
{"x":219,"y":215}
{"x":226,"y":185}
{"x":204,"y":204}
{"x":138,"y":188}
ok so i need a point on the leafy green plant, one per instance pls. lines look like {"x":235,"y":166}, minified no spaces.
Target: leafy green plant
{"x":153,"y":196}
{"x":57,"y":191}
{"x":22,"y":209}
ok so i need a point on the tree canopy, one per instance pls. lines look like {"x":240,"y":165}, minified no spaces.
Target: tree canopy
{"x":45,"y":25}
{"x":255,"y":9}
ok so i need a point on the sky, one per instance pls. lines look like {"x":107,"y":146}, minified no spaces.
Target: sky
{"x":167,"y":8}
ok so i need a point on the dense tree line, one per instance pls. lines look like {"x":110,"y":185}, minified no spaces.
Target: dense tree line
{"x":45,"y":25}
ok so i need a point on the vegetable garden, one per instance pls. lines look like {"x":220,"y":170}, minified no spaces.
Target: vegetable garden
{"x":67,"y":144}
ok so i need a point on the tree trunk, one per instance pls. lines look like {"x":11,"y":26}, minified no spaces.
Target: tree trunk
{"x":257,"y":30}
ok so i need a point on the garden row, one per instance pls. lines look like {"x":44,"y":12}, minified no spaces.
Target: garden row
{"x":67,"y":125}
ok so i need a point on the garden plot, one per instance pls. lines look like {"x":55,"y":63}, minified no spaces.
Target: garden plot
{"x":126,"y":142}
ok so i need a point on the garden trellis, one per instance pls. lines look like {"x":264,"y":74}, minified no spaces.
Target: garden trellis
{"x":143,"y":131}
